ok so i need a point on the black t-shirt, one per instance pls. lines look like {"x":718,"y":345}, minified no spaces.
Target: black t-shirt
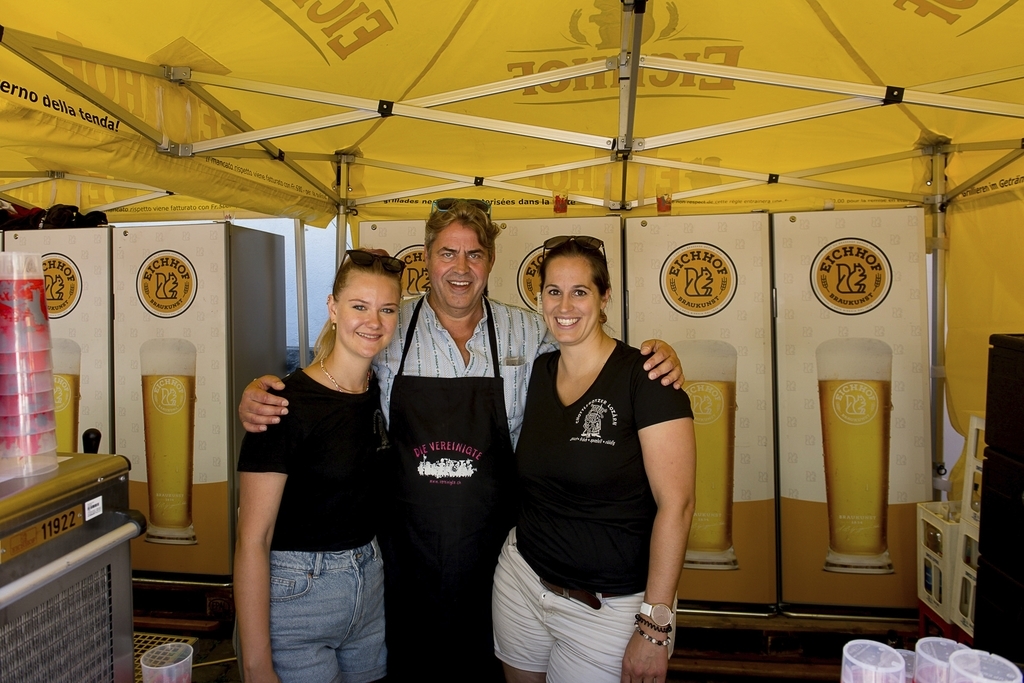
{"x":588,"y":510}
{"x":330,"y":444}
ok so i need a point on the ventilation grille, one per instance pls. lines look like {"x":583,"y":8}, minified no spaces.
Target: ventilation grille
{"x":67,"y":639}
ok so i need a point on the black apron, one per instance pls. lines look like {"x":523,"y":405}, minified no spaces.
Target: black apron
{"x":452,"y":507}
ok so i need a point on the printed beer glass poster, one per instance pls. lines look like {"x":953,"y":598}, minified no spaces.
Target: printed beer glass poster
{"x":76,"y":276}
{"x":519,"y":251}
{"x":852,"y":360}
{"x":171,"y":393}
{"x":701,"y":283}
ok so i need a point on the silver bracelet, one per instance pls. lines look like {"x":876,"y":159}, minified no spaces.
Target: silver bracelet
{"x":662,"y":643}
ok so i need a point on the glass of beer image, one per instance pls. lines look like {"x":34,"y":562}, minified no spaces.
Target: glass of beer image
{"x":168,"y":406}
{"x":67,"y":370}
{"x":854,"y":391}
{"x":711,"y":386}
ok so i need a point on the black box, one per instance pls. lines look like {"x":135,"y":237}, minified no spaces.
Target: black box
{"x":1004,"y":409}
{"x":1001,"y":539}
{"x":999,"y":613}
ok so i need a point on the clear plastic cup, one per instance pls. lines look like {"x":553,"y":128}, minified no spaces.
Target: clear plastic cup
{"x":24,"y":320}
{"x":21,"y":404}
{"x":167,"y":663}
{"x":932,"y":663}
{"x":27,"y":361}
{"x":28,"y":455}
{"x":976,"y":666}
{"x":908,"y":659}
{"x":867,"y":661}
{"x":26,"y":383}
{"x":27,"y":423}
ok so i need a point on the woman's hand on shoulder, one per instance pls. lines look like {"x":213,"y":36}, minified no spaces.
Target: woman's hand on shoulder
{"x":258,"y":407}
{"x":644,"y":662}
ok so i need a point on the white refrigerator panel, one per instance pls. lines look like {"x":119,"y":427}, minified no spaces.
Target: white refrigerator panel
{"x":77,"y":271}
{"x":852,"y":358}
{"x":171,"y":391}
{"x":701,"y":283}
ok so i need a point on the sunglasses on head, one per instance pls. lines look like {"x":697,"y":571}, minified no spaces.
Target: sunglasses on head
{"x":366,"y":258}
{"x":585,"y":241}
{"x":447,"y":203}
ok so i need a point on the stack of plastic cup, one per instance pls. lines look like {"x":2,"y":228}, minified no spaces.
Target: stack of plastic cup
{"x":28,"y":440}
{"x":866,"y":661}
{"x":908,"y":659}
{"x":932,"y":662}
{"x":975,"y":666}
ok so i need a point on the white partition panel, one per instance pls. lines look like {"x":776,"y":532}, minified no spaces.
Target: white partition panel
{"x":852,"y":359}
{"x":701,"y":283}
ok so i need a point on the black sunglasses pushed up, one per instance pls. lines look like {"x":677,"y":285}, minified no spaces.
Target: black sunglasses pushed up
{"x":447,"y":203}
{"x":585,"y":241}
{"x":366,"y":258}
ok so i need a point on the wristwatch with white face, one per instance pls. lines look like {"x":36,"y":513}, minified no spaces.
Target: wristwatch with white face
{"x":660,"y":614}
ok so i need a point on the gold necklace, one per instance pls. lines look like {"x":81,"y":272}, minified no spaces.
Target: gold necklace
{"x":365,"y":388}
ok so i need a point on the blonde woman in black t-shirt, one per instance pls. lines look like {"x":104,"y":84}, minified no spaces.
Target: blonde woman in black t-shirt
{"x":585,"y":586}
{"x":308,"y":575}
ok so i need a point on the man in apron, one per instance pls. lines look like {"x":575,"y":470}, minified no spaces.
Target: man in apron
{"x":453,"y":385}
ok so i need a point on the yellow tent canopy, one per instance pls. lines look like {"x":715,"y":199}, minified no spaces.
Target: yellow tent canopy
{"x":313,"y":108}
{"x":300,"y":108}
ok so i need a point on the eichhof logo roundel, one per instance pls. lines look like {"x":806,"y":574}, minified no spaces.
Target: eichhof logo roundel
{"x":698,"y":280}
{"x":63,"y":283}
{"x":855,"y":403}
{"x":415,"y":280}
{"x":166,"y":284}
{"x":529,"y":278}
{"x":851,"y":276}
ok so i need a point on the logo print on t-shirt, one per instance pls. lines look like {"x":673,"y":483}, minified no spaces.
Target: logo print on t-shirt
{"x":447,"y":470}
{"x":592,"y":417}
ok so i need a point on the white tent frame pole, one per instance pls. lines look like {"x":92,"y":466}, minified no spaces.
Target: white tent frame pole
{"x":301,"y":300}
{"x":23,"y":183}
{"x":992,"y":145}
{"x":18,"y":202}
{"x":272,"y":151}
{"x":19,"y":47}
{"x":827,"y":85}
{"x":754,"y":123}
{"x":629,"y":71}
{"x":787,"y":179}
{"x":984,"y":173}
{"x":937,"y":333}
{"x":25,"y":174}
{"x":109,"y":182}
{"x":323,"y":97}
{"x":821,"y":110}
{"x":160,"y":194}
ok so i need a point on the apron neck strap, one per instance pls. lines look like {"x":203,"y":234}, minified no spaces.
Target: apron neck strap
{"x":491,"y":335}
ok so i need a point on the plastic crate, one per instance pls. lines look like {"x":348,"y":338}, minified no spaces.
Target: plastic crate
{"x":970,"y":511}
{"x":965,"y":578}
{"x":938,"y":526}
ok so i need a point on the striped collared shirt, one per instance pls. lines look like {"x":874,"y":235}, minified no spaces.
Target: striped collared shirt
{"x":521,"y":335}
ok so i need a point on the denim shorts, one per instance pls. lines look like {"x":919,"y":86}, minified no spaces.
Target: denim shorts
{"x":327,"y":615}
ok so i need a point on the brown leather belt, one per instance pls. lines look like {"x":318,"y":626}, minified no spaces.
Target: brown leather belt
{"x":592,"y":600}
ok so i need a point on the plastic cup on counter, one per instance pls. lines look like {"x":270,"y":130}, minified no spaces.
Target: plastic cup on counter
{"x":22,"y":404}
{"x":909,"y":659}
{"x":932,"y":662}
{"x":867,"y":661}
{"x":976,"y":666}
{"x":167,"y":663}
{"x":26,"y":383}
{"x":24,"y":321}
{"x":25,"y":362}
